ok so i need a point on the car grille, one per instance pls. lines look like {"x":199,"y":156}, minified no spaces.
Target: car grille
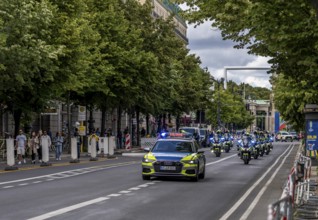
{"x":176,"y":164}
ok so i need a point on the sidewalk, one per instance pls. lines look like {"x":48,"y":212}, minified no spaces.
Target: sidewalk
{"x":66,"y":158}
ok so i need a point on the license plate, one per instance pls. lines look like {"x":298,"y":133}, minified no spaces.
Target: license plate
{"x":168,"y":168}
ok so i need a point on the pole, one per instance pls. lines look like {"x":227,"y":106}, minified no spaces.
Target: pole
{"x":218,"y":109}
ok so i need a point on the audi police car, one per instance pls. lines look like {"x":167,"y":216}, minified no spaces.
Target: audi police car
{"x":176,"y":156}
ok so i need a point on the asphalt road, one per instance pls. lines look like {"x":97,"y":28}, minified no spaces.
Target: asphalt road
{"x":114,"y":190}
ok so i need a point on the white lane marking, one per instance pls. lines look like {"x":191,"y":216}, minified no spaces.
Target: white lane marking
{"x":114,"y":195}
{"x":143,"y":185}
{"x":68,"y":209}
{"x":151,"y":183}
{"x":7,"y":187}
{"x":49,"y":179}
{"x":37,"y":182}
{"x":261,"y":192}
{"x":248,"y":192}
{"x":23,"y":184}
{"x":134,"y":188}
{"x":218,"y":161}
{"x":91,"y":169}
{"x":80,"y":205}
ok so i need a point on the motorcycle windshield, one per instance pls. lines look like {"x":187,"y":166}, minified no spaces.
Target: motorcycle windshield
{"x":245,"y":142}
{"x":216,"y":139}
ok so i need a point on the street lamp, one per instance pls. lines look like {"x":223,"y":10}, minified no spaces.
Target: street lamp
{"x":220,"y":81}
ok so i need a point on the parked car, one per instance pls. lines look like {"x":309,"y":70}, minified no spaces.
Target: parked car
{"x":284,"y":136}
{"x":295,"y":135}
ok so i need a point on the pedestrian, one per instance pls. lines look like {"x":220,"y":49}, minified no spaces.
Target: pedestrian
{"x":78,"y":142}
{"x":34,"y":145}
{"x":21,"y":142}
{"x":109,"y":132}
{"x":40,"y":146}
{"x":97,"y":132}
{"x":143,"y":132}
{"x":58,"y":145}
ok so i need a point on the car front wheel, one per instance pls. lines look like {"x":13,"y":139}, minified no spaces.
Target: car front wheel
{"x":145,"y":177}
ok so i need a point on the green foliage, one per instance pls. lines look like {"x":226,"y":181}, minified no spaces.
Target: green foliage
{"x":26,"y":54}
{"x":286,"y":31}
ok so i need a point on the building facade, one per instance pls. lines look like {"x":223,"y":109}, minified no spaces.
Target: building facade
{"x":164,"y":9}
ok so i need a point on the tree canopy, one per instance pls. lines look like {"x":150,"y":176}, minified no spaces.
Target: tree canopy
{"x":285,"y":31}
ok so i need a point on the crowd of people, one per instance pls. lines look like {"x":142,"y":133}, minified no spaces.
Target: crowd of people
{"x":31,"y":144}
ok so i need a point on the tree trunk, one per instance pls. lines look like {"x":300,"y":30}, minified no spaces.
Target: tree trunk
{"x":147,"y":124}
{"x":17,"y":119}
{"x":103,"y":127}
{"x":177,"y":122}
{"x":119,"y":112}
{"x":138,"y":129}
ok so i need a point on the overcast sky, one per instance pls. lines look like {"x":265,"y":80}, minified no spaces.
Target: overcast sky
{"x":216,"y":53}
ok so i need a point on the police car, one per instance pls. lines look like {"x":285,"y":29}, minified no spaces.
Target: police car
{"x":176,"y":156}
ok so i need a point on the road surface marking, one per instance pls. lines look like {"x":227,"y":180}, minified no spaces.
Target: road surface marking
{"x":124,"y":192}
{"x":248,"y":192}
{"x":261,"y":192}
{"x":7,"y":187}
{"x":134,"y":188}
{"x":114,"y":195}
{"x":23,"y":184}
{"x":91,"y":169}
{"x":68,"y":209}
{"x":218,"y":161}
{"x":83,"y":204}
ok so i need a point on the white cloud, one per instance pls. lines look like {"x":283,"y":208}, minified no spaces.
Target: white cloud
{"x":216,"y":53}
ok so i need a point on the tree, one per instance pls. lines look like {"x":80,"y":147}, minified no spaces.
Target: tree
{"x":283,"y":30}
{"x":27,"y":56}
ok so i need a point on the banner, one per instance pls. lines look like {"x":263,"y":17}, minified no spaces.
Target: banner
{"x":312,"y":133}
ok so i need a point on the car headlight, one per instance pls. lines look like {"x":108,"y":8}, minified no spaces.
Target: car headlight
{"x":189,"y":161}
{"x":147,"y":160}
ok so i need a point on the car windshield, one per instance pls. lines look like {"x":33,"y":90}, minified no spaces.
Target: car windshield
{"x":188,"y":130}
{"x":173,"y":146}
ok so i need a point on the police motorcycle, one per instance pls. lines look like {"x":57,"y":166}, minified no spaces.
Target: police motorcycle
{"x":245,"y":149}
{"x":270,"y":140}
{"x":256,"y":148}
{"x":267,"y":146}
{"x":216,"y":145}
{"x":228,"y":142}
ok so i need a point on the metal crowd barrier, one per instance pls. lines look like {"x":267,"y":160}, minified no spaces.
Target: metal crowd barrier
{"x":296,"y":191}
{"x":147,"y":142}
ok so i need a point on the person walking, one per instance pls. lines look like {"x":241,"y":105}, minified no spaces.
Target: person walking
{"x":119,"y":139}
{"x":40,"y":146}
{"x":58,"y":145}
{"x":34,"y":145}
{"x":21,"y":142}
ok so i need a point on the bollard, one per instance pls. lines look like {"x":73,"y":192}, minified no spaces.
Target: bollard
{"x":45,"y":151}
{"x":111,"y":146}
{"x":93,"y":150}
{"x":127,"y":142}
{"x":10,"y":155}
{"x":74,"y":154}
